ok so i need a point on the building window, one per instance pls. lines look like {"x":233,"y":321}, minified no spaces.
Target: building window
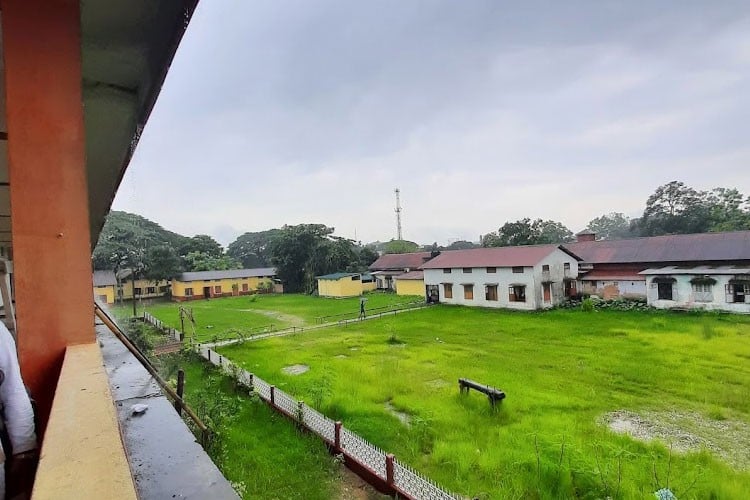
{"x":446,"y":270}
{"x":545,"y":268}
{"x":566,"y":266}
{"x":163,"y":289}
{"x":467,"y":270}
{"x":491,"y":270}
{"x":517,"y":293}
{"x":245,"y":287}
{"x":738,"y":292}
{"x":355,"y":278}
{"x":518,"y":270}
{"x":664,"y":291}
{"x":490,"y":293}
{"x":137,"y":291}
{"x":703,"y":292}
{"x":151,"y":290}
{"x":188,"y":292}
{"x":217,"y":289}
{"x":448,"y":290}
{"x":469,"y":292}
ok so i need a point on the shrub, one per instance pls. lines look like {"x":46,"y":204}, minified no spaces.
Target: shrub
{"x":587,"y":305}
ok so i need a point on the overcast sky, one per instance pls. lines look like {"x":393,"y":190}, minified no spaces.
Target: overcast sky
{"x":481,"y":112}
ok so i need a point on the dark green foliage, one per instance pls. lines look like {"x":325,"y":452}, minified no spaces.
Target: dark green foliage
{"x":253,"y":249}
{"x":611,"y":226}
{"x":528,"y":232}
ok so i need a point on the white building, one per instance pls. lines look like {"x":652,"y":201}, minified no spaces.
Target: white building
{"x":523,"y":277}
{"x":725,"y":288}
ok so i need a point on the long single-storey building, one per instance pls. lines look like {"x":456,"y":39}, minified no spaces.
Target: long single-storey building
{"x":613,"y":268}
{"x":340,"y":285}
{"x":725,"y":288}
{"x":522,"y":277}
{"x":229,"y":283}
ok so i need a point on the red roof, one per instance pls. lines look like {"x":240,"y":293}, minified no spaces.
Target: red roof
{"x":710,"y":247}
{"x":525,"y":256}
{"x":413,"y":275}
{"x":392,"y":261}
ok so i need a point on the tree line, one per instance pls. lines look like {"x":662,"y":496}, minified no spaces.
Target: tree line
{"x":673,"y":208}
{"x":299,"y":253}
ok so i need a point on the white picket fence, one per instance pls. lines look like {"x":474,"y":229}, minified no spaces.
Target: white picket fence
{"x":154,"y":321}
{"x":404,"y":480}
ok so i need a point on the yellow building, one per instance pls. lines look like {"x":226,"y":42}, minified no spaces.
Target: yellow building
{"x":144,"y":289}
{"x":340,"y":285}
{"x":104,"y":286}
{"x":229,"y":283}
{"x":411,"y":283}
{"x":369,"y":283}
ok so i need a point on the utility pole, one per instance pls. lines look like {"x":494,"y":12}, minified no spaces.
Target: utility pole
{"x":400,"y":236}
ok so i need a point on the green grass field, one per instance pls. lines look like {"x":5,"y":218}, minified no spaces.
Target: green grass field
{"x":562,"y":371}
{"x":230,"y":317}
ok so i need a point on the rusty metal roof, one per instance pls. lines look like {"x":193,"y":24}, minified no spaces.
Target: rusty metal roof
{"x":705,"y":247}
{"x":412,"y":275}
{"x":520,"y":256}
{"x":104,"y":278}
{"x":401,"y":261}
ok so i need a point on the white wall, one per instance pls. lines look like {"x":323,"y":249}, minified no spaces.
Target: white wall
{"x":531,"y":277}
{"x":683,"y":296}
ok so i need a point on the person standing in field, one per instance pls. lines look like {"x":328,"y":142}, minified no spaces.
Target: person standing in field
{"x":362,"y":301}
{"x":18,"y":453}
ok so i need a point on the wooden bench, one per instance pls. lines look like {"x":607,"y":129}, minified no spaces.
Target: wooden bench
{"x":493,"y":394}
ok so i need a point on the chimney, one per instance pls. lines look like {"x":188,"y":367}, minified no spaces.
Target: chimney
{"x":586,"y":235}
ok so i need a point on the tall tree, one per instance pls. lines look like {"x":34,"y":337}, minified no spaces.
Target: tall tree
{"x":528,"y":232}
{"x":611,"y":226}
{"x":728,"y":209}
{"x":202,"y":243}
{"x":675,"y":208}
{"x":161,"y":263}
{"x":461,"y":245}
{"x":200,"y":261}
{"x":299,"y":252}
{"x":253,"y":249}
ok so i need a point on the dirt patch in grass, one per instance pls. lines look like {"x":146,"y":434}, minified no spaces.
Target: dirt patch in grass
{"x":438,"y":383}
{"x":295,"y":369}
{"x":341,"y":356}
{"x":353,"y":487}
{"x":686,"y":432}
{"x":290,"y":319}
{"x":403,"y":417}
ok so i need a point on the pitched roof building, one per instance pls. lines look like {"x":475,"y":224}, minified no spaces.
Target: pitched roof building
{"x":391,"y":265}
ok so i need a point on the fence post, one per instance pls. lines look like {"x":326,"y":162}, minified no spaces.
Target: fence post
{"x":301,"y":413}
{"x":180,"y":390}
{"x":337,"y":436}
{"x":250,"y":382}
{"x":389,"y":469}
{"x":273,"y":395}
{"x":208,"y":351}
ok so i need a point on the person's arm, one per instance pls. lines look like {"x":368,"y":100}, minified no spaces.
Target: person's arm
{"x":19,"y":415}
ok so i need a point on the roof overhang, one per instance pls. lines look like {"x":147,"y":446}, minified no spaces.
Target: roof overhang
{"x":127,"y":47}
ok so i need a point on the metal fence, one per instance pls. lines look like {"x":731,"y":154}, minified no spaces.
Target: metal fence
{"x":401,"y":478}
{"x":154,"y":321}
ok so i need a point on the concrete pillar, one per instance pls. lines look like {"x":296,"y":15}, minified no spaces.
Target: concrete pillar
{"x":48,"y":187}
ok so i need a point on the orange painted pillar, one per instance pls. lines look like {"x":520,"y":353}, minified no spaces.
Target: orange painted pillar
{"x":48,"y":190}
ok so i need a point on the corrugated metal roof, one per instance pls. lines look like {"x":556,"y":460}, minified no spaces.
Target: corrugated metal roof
{"x":227,"y":274}
{"x":521,"y":256}
{"x":336,"y":276}
{"x":412,"y":275}
{"x":104,"y":278}
{"x":701,"y":270}
{"x":711,"y":247}
{"x":392,"y":261}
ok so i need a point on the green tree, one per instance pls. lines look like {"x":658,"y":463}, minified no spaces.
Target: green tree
{"x":611,"y":226}
{"x":401,"y":246}
{"x":728,"y":209}
{"x":202,"y":243}
{"x":161,"y":263}
{"x":253,"y":249}
{"x":299,"y":254}
{"x":366,"y":255}
{"x":461,"y":245}
{"x":200,"y":261}
{"x":675,"y":208}
{"x":528,"y":232}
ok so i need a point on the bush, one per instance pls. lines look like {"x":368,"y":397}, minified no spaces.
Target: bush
{"x":587,"y":305}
